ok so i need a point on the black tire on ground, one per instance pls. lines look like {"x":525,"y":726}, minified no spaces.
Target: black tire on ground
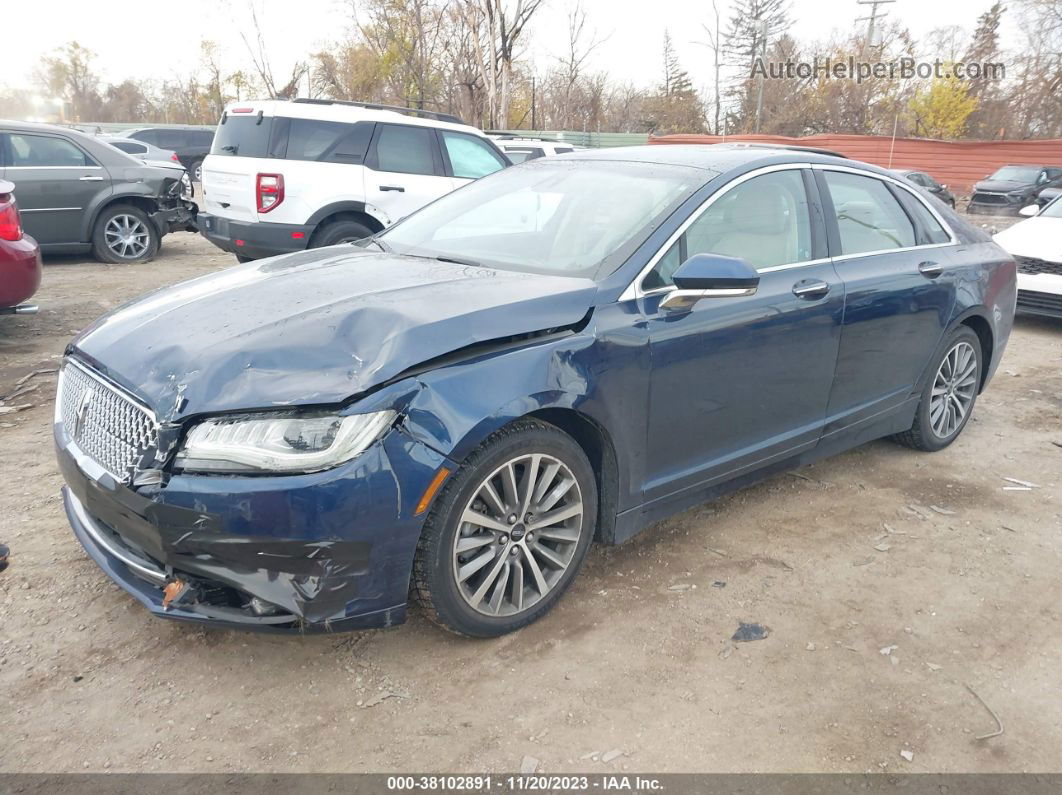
{"x":921,"y":435}
{"x":107,"y":246}
{"x":435,"y":584}
{"x":337,"y":232}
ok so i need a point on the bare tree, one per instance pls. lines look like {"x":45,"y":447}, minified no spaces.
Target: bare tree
{"x":259,"y":54}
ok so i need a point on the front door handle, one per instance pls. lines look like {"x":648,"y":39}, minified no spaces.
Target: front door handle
{"x":810,"y":289}
{"x":398,"y":188}
{"x":92,"y":179}
{"x":930,"y":270}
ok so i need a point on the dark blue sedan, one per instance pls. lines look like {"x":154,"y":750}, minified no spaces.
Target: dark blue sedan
{"x":566,"y":351}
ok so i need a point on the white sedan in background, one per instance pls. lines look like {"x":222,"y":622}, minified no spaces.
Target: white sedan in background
{"x":1036,"y":244}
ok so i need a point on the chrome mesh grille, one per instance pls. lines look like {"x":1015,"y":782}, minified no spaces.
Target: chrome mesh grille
{"x":1033,"y":265}
{"x":107,"y":426}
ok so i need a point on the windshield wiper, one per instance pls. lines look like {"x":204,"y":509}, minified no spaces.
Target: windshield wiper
{"x":384,"y":247}
{"x":459,"y":261}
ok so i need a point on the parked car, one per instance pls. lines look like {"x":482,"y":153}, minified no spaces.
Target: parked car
{"x":1046,"y":196}
{"x":20,"y":258}
{"x":191,"y":144}
{"x":284,"y":176}
{"x":464,"y":406}
{"x":519,"y":150}
{"x":1036,"y":244}
{"x":924,"y":180}
{"x":153,"y":156}
{"x":77,"y":193}
{"x":1011,"y":188}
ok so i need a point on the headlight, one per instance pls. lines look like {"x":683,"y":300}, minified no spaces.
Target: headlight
{"x":279,"y":442}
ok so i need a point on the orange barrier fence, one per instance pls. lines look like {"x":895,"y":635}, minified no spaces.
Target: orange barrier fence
{"x":958,"y":164}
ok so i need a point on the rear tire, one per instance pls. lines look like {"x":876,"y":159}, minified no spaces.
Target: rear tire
{"x":337,"y":232}
{"x":485,"y":578}
{"x":949,"y":394}
{"x":123,"y":234}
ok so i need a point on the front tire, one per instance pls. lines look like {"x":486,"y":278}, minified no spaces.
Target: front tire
{"x":508,"y":533}
{"x":123,"y":234}
{"x":949,"y":394}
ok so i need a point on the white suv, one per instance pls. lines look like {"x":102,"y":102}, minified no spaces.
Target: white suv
{"x":288,"y":175}
{"x":520,"y":150}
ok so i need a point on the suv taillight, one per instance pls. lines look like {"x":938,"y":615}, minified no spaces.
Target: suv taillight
{"x":10,"y":223}
{"x":269,"y":190}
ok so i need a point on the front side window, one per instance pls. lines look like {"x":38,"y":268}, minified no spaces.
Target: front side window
{"x":200,"y":137}
{"x":563,"y":217}
{"x":405,"y":150}
{"x":868,"y":217}
{"x":172,"y":139}
{"x":30,"y":151}
{"x":765,"y":221}
{"x":470,"y":157}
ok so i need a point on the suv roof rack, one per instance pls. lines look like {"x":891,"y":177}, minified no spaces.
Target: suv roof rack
{"x":418,"y":112}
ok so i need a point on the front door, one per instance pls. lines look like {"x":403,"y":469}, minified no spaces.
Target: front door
{"x":404,"y":170}
{"x":54,"y":182}
{"x":737,"y":382}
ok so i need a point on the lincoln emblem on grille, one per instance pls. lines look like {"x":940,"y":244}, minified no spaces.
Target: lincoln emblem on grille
{"x":82,"y":410}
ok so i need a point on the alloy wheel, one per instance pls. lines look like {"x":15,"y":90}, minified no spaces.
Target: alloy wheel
{"x":954,"y":388}
{"x":518,"y":534}
{"x":127,"y":236}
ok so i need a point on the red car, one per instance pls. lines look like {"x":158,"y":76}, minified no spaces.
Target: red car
{"x":20,"y":258}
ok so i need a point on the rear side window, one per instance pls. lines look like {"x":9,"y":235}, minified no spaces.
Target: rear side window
{"x":243,"y":136}
{"x":328,"y":141}
{"x":200,"y":137}
{"x":172,"y":139}
{"x":470,"y":157}
{"x":868,"y":216}
{"x":928,"y":228}
{"x":149,"y":136}
{"x":30,"y":151}
{"x":404,"y":150}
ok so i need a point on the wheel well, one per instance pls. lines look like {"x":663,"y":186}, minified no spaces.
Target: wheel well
{"x":350,"y":215}
{"x":983,"y":331}
{"x":598,"y":447}
{"x":140,"y":202}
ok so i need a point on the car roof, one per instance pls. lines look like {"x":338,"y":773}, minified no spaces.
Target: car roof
{"x":712,"y":157}
{"x":336,"y":110}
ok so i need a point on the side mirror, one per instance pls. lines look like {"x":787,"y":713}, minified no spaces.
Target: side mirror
{"x":710,"y":276}
{"x":1029,"y":211}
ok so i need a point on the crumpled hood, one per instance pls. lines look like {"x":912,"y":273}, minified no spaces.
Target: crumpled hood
{"x":1002,"y":185}
{"x":314,"y":327}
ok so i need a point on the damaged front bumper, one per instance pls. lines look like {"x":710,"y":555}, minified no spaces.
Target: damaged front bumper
{"x":177,"y":216}
{"x":329,"y":551}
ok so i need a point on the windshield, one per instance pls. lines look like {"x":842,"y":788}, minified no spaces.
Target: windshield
{"x":1017,"y":173}
{"x":566,"y":217}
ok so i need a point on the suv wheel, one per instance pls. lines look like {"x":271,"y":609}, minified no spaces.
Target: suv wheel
{"x":124,"y":234}
{"x":336,"y":232}
{"x":949,"y":394}
{"x":508,"y":533}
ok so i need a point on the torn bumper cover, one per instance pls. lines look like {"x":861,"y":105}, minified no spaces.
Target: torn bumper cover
{"x":176,"y":216}
{"x":327,"y":551}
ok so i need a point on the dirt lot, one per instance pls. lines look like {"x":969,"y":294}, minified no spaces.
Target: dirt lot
{"x":637,"y":658}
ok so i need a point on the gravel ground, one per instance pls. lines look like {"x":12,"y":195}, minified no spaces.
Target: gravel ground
{"x":890,"y":580}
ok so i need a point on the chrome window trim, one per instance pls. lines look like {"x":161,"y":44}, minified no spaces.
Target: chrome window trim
{"x":634,"y":289}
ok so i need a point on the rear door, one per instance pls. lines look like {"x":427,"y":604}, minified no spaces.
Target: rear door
{"x":55,"y":181}
{"x":894,"y":257}
{"x":404,"y":170}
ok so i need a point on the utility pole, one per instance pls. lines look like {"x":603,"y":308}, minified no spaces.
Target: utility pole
{"x":874,"y":17}
{"x":534,"y":121}
{"x":763,"y":56}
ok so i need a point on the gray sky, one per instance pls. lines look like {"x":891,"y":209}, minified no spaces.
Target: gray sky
{"x":146,"y":38}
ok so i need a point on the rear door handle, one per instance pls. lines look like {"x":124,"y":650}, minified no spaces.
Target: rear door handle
{"x":92,"y":179}
{"x":398,"y":188}
{"x":810,"y":289}
{"x":930,"y":270}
